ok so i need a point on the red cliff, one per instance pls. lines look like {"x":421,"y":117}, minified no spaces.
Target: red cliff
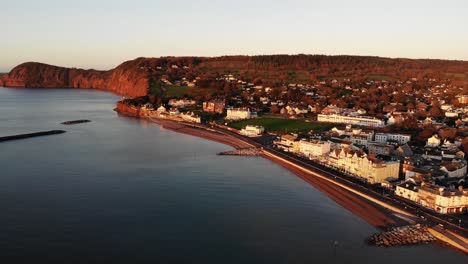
{"x":129,"y":79}
{"x":127,"y":109}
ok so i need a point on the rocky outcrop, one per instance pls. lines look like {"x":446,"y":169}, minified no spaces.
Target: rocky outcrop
{"x":129,"y":78}
{"x":127,"y":110}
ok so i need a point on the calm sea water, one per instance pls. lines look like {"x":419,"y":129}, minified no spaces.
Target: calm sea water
{"x":121,"y":190}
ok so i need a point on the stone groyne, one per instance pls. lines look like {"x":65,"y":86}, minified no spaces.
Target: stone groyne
{"x":243,"y":152}
{"x":400,"y":236}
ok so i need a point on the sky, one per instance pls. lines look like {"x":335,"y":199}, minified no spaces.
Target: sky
{"x":101,"y":34}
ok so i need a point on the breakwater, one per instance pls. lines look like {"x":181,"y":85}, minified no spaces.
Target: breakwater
{"x":73,"y":122}
{"x":400,"y":236}
{"x":30,"y":135}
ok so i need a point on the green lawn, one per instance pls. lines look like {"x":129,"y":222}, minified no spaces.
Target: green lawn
{"x":287,"y":125}
{"x":176,"y":91}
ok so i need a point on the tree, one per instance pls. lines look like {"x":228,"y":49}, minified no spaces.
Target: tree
{"x":435,"y":111}
{"x":447,"y":133}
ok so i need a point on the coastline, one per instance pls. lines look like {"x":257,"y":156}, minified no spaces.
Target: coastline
{"x":377,"y":213}
{"x":374,"y":214}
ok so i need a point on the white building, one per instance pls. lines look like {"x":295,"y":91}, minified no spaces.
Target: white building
{"x":190,"y":117}
{"x":352,"y":120}
{"x":358,"y":164}
{"x":439,"y":199}
{"x":408,"y":190}
{"x":385,"y":137}
{"x":161,"y":109}
{"x":252,"y":131}
{"x":288,"y":143}
{"x":314,"y":148}
{"x":238,"y":113}
{"x":433,"y":141}
{"x":181,"y":102}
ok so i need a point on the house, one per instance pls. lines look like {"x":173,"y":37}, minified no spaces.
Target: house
{"x":215,"y":106}
{"x":161,"y":109}
{"x":433,"y":141}
{"x":380,"y":149}
{"x":403,"y":152}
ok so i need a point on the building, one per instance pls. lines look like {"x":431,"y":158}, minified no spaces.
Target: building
{"x":190,"y":117}
{"x":161,"y":109}
{"x":462,"y":99}
{"x":351,"y":120}
{"x":181,"y":102}
{"x":455,"y":169}
{"x":439,"y":199}
{"x":433,"y":141}
{"x":386,"y":137}
{"x":403,"y":151}
{"x":362,"y":140}
{"x":216,"y":106}
{"x":288,"y":143}
{"x":380,"y":149}
{"x":174,"y":111}
{"x":408,"y":190}
{"x":238,"y":113}
{"x":314,"y":148}
{"x":358,"y":164}
{"x":252,"y":131}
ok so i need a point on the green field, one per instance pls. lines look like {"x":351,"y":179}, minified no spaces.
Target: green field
{"x":377,"y":77}
{"x":286,"y":125}
{"x":176,"y":91}
{"x":458,"y":76}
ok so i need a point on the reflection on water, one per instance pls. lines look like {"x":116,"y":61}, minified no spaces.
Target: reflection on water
{"x":123,"y":190}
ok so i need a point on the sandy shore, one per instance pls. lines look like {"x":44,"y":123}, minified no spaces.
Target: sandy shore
{"x":212,"y":135}
{"x":368,"y":211}
{"x":371,"y":213}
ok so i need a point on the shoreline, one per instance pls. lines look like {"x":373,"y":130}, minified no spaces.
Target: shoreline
{"x":377,"y":213}
{"x":374,"y":214}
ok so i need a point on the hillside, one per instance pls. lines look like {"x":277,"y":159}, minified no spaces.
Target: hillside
{"x":134,"y":77}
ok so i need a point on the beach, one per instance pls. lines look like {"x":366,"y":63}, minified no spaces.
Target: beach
{"x":370,"y":212}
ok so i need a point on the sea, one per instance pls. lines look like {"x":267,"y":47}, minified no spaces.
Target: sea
{"x":123,"y":190}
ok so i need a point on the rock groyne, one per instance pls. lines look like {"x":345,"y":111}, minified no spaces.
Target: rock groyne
{"x":400,"y":236}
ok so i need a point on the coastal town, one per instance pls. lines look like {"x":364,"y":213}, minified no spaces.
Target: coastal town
{"x":408,"y":138}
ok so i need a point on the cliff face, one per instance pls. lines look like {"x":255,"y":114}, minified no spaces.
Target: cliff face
{"x":127,"y":110}
{"x":127,"y":79}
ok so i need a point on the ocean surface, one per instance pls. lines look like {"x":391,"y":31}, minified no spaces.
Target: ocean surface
{"x":122,"y":190}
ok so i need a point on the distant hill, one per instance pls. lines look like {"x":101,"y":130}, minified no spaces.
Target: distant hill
{"x":133,"y":78}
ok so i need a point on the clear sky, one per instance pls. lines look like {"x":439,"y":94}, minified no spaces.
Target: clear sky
{"x":102,"y":33}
